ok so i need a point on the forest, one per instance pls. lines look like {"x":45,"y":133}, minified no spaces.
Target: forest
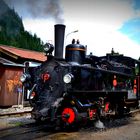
{"x":12,"y":31}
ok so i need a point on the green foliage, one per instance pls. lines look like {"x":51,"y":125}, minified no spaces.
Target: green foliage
{"x":12,"y":32}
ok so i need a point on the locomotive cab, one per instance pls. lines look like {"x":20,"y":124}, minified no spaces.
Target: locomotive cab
{"x":75,"y":52}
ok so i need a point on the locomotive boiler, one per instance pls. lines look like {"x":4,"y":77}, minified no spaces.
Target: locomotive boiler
{"x":81,"y":87}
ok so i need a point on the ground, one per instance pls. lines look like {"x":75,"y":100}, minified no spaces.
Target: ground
{"x":130,"y":131}
{"x":127,"y":131}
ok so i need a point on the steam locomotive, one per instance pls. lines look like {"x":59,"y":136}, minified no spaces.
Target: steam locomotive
{"x":81,"y":88}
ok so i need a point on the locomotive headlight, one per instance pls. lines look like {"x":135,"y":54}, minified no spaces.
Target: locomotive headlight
{"x":48,"y":48}
{"x":68,"y":78}
{"x":24,"y":77}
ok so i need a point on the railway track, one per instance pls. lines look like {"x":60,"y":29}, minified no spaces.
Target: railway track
{"x":15,"y":112}
{"x":32,"y":130}
{"x":26,"y":131}
{"x":134,"y":112}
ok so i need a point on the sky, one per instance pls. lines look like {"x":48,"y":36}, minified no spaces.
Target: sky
{"x":101,"y":24}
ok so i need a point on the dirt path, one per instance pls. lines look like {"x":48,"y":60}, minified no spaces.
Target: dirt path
{"x":129,"y":131}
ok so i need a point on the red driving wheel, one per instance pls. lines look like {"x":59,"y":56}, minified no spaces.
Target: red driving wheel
{"x":68,"y":115}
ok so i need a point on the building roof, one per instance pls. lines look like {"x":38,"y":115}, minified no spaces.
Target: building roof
{"x":5,"y":62}
{"x":22,"y":53}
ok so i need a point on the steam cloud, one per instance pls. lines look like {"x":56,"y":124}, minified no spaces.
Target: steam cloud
{"x":38,"y":9}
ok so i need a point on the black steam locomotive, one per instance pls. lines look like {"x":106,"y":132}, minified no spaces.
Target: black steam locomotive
{"x":81,"y":87}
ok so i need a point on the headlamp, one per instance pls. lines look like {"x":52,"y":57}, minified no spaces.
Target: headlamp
{"x":68,"y":78}
{"x":48,"y":48}
{"x":24,"y":77}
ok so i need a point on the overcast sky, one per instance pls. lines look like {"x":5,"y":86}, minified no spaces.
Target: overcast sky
{"x":101,"y":24}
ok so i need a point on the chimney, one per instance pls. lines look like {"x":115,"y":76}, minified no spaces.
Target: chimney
{"x":59,"y":40}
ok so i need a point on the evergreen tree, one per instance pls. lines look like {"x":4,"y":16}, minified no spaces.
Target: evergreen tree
{"x":12,"y":31}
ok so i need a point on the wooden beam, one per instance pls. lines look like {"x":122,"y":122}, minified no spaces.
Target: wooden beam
{"x":9,"y":53}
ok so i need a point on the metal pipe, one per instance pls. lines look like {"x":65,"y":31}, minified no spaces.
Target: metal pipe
{"x":59,"y":40}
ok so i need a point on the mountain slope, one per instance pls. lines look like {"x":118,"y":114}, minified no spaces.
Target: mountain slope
{"x":12,"y":30}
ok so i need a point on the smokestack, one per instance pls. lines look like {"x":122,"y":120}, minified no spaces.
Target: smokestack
{"x":59,"y":40}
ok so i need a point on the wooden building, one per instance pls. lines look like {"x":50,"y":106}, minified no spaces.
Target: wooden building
{"x":11,"y":67}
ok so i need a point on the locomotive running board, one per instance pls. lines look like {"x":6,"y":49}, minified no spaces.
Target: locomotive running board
{"x":109,"y":91}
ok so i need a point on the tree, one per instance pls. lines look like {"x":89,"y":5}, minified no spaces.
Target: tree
{"x":13,"y":33}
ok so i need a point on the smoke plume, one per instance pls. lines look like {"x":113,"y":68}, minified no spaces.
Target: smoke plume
{"x":38,"y":9}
